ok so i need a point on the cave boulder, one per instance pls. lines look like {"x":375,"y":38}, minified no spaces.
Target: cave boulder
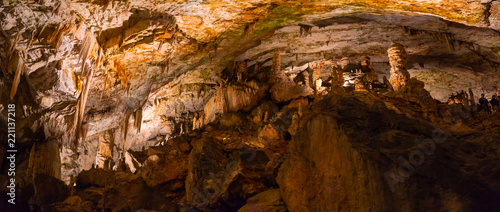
{"x":284,"y":89}
{"x":129,"y":192}
{"x":49,"y":190}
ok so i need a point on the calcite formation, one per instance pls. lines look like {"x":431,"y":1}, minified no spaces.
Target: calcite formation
{"x":400,"y":78}
{"x":337,"y":79}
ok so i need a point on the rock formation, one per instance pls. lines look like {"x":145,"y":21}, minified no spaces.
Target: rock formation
{"x":233,"y":98}
{"x":337,"y":79}
{"x":400,"y":78}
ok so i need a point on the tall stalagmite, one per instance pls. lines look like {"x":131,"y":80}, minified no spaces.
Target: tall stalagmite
{"x":400,"y":77}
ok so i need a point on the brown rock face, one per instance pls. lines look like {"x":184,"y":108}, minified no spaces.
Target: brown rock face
{"x":45,"y":159}
{"x":267,"y":201}
{"x":400,"y":77}
{"x":325,"y":163}
{"x":377,"y":160}
{"x":208,"y":176}
{"x":167,"y":168}
{"x":285,"y":89}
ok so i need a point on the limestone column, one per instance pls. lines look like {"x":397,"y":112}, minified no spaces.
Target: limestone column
{"x":45,"y":159}
{"x":105,"y":153}
{"x":400,"y":78}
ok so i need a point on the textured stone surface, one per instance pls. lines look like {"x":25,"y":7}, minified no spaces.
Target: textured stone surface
{"x":400,"y":78}
{"x":349,"y":160}
{"x":266,"y":201}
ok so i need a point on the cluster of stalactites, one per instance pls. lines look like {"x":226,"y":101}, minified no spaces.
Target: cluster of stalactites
{"x":90,"y":48}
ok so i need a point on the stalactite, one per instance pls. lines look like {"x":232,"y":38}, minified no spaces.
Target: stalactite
{"x":163,"y":66}
{"x":41,"y":30}
{"x":123,"y":75}
{"x":14,"y":44}
{"x":104,"y":88}
{"x":305,"y":29}
{"x":17,"y":77}
{"x":450,"y":42}
{"x":249,"y":28}
{"x":62,"y":29}
{"x":85,"y":129}
{"x":160,"y":45}
{"x":138,"y":119}
{"x":30,"y":41}
{"x":443,"y":37}
{"x":125,"y":125}
{"x":88,"y":50}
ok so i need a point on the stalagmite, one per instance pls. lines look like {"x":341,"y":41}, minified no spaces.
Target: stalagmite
{"x":195,"y":118}
{"x":14,"y":44}
{"x":337,"y":79}
{"x":400,"y":77}
{"x":315,"y":79}
{"x":306,"y":78}
{"x":276,"y":62}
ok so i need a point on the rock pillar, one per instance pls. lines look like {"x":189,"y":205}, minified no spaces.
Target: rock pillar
{"x":400,"y":77}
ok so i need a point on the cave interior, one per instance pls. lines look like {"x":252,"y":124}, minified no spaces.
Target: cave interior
{"x":283,"y":105}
